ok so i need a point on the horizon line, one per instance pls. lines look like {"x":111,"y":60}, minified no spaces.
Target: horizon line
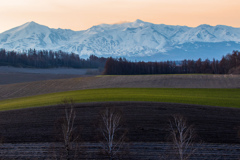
{"x":119,"y":23}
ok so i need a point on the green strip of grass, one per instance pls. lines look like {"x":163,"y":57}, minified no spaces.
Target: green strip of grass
{"x":212,"y":97}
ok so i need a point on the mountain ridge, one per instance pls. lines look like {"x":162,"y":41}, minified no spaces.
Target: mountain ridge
{"x":137,"y":40}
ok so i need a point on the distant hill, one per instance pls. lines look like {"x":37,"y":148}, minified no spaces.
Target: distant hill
{"x":137,"y":40}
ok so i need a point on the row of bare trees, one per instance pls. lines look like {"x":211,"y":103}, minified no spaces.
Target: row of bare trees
{"x":110,"y":130}
{"x":113,"y":135}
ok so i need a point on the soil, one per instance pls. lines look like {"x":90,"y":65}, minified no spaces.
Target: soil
{"x":145,"y":122}
{"x":92,"y":82}
{"x":11,"y":75}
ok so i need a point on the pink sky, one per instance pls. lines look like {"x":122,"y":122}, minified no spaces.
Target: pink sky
{"x":82,"y":14}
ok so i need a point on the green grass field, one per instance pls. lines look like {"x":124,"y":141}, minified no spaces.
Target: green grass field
{"x":212,"y":97}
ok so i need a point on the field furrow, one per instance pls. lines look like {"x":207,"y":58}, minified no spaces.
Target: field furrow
{"x":139,"y":81}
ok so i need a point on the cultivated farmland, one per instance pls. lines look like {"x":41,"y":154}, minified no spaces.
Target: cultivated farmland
{"x":30,"y":133}
{"x":147,"y":124}
{"x":139,"y":81}
{"x":10,"y":75}
{"x":202,"y":96}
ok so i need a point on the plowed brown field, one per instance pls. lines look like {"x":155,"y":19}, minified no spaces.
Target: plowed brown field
{"x":138,"y":81}
{"x":145,"y":121}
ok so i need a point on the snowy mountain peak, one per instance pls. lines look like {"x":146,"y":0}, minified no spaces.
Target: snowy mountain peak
{"x":31,"y":23}
{"x":139,"y":21}
{"x":204,"y":26}
{"x":28,"y":28}
{"x":133,"y":39}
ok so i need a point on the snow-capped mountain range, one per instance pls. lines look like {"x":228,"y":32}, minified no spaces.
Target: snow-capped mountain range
{"x":137,"y":40}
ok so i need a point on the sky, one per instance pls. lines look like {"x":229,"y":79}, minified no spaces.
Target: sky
{"x":83,"y":14}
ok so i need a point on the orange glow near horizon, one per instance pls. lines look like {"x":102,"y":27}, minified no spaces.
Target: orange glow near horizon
{"x":81,"y":14}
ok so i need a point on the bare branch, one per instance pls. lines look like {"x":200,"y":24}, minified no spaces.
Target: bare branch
{"x":110,"y":128}
{"x":68,"y":126}
{"x":182,"y":136}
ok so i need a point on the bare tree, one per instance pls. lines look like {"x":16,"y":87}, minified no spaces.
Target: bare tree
{"x":112,"y":132}
{"x":182,"y":136}
{"x":68,"y":134}
{"x":68,"y":126}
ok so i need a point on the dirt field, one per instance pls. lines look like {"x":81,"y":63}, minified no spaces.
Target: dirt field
{"x":146,"y":122}
{"x":138,"y":151}
{"x":140,"y":81}
{"x":10,"y":75}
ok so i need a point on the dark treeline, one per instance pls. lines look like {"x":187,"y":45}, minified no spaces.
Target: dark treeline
{"x":119,"y":66}
{"x":228,"y":64}
{"x":48,"y":59}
